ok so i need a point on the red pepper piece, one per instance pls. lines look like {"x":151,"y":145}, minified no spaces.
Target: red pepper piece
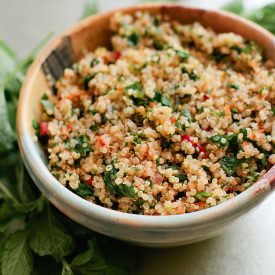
{"x":43,"y":128}
{"x":117,"y":55}
{"x":90,"y":181}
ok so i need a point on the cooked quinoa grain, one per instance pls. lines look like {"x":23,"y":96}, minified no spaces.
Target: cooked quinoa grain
{"x":174,"y":119}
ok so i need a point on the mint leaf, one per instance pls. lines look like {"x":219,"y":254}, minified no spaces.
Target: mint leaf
{"x":48,"y":236}
{"x":7,"y":136}
{"x":16,"y":257}
{"x":91,"y":261}
{"x":8,"y":60}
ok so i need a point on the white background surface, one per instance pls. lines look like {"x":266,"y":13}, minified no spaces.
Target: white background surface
{"x":247,"y":248}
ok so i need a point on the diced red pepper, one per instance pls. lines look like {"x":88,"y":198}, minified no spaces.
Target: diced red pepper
{"x":90,"y":181}
{"x":205,"y":97}
{"x":101,"y":141}
{"x":117,"y":55}
{"x":43,"y":128}
{"x":186,"y":137}
{"x":173,"y":120}
{"x":198,"y":146}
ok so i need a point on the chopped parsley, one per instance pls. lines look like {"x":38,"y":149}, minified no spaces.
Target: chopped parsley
{"x":162,"y":98}
{"x":133,"y":39}
{"x":183,"y":55}
{"x":230,"y":165}
{"x":46,"y":103}
{"x":119,"y":190}
{"x":82,"y":145}
{"x":84,"y":190}
{"x":233,"y":86}
{"x":192,"y":75}
{"x":201,"y":195}
{"x":87,"y":79}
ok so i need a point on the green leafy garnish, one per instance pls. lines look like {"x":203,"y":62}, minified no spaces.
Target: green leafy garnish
{"x":84,"y":190}
{"x":133,"y":39}
{"x":162,"y":98}
{"x":121,"y":189}
{"x":16,"y":257}
{"x":158,"y":45}
{"x":201,"y":195}
{"x":182,"y":177}
{"x":191,"y":73}
{"x":230,"y":164}
{"x":48,"y":236}
{"x":183,"y":55}
{"x":82,"y":145}
{"x":87,"y":79}
{"x":185,"y":113}
{"x":138,"y":97}
{"x":46,"y":103}
{"x":233,"y":86}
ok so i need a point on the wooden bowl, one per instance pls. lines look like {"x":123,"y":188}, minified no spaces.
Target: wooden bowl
{"x":157,"y":231}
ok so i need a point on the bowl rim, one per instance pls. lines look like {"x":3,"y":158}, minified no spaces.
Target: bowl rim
{"x":39,"y":171}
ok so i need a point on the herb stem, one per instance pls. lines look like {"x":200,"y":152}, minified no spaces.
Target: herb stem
{"x":7,"y":192}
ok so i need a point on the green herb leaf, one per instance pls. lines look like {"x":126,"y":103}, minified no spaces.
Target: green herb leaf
{"x":201,"y":195}
{"x":233,"y":86}
{"x":46,"y":103}
{"x":162,"y":98}
{"x":229,"y":165}
{"x":7,"y":136}
{"x":16,"y":256}
{"x":191,"y":74}
{"x":182,"y":177}
{"x":87,"y":80}
{"x":82,"y":145}
{"x":84,"y":190}
{"x":121,"y":189}
{"x":48,"y":236}
{"x":158,"y":45}
{"x":183,"y":55}
{"x":133,"y":39}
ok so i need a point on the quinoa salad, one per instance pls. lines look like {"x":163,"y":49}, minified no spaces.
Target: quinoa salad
{"x":172,"y":119}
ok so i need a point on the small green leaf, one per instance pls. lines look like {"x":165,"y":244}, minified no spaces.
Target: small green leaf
{"x":182,"y":177}
{"x":135,"y":86}
{"x":162,"y":98}
{"x":7,"y":135}
{"x":82,"y":145}
{"x":87,"y":79}
{"x":133,"y":39}
{"x":17,"y":257}
{"x":229,"y":165}
{"x":121,"y":189}
{"x":233,"y":86}
{"x":191,"y":73}
{"x":46,"y":103}
{"x":183,"y":55}
{"x":48,"y":236}
{"x":158,"y":45}
{"x":84,"y":190}
{"x":201,"y":195}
